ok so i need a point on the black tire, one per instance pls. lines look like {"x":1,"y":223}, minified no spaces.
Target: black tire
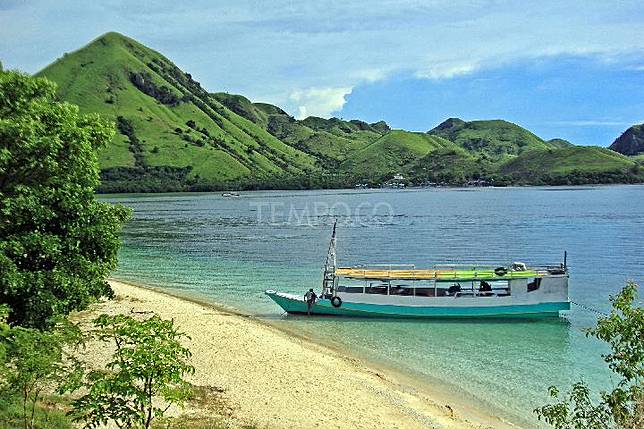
{"x":500,"y":271}
{"x":336,"y":301}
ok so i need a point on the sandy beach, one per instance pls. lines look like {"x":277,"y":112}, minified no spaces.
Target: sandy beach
{"x":250,"y":373}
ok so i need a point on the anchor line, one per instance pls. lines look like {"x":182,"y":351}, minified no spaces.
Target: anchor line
{"x":592,"y":310}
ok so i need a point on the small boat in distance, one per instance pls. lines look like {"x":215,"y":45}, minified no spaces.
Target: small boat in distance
{"x":445,"y":291}
{"x":230,"y":195}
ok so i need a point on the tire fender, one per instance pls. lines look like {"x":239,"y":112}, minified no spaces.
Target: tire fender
{"x":500,"y":271}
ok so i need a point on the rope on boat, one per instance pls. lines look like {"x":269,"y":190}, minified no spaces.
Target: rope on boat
{"x":592,"y":310}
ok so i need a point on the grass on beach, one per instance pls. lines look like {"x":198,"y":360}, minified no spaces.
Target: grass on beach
{"x":49,"y":413}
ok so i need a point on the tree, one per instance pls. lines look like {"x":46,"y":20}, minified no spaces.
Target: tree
{"x":34,"y":362}
{"x":57,"y":243}
{"x":149,"y":362}
{"x":623,"y":407}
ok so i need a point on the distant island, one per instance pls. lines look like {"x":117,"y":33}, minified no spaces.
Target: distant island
{"x":173,"y":135}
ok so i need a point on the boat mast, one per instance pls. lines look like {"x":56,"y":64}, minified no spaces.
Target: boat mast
{"x":328,"y":281}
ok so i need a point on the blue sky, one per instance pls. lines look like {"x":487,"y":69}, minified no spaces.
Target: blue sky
{"x":570,"y":69}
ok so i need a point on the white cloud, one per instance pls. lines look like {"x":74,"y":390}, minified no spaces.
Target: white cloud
{"x":321,"y":102}
{"x":446,"y":70}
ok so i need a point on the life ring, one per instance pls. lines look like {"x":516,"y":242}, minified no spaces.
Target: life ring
{"x":336,"y":301}
{"x":500,"y":271}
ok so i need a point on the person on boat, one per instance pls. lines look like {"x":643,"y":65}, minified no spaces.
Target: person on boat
{"x":310,"y":298}
{"x":485,"y":288}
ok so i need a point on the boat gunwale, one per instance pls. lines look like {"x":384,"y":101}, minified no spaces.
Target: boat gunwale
{"x":440,"y":275}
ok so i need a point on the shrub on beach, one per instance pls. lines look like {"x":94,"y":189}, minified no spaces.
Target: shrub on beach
{"x":623,"y":407}
{"x":144,"y":377}
{"x":33,"y":364}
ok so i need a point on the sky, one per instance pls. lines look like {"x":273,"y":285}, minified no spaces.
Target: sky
{"x":567,"y":69}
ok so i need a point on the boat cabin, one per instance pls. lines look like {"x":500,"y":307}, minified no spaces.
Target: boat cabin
{"x":441,"y":281}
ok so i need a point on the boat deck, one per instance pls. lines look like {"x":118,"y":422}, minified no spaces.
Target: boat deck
{"x":432,"y":274}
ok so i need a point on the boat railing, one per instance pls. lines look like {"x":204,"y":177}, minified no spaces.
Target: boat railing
{"x":466,"y":267}
{"x":473,"y":273}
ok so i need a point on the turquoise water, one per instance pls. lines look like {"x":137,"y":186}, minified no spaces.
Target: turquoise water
{"x":230,"y":250}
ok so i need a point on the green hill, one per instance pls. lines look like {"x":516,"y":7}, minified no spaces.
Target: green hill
{"x":631,"y":142}
{"x":392,"y":153}
{"x":175,"y":135}
{"x":169,"y":127}
{"x":558,"y":143}
{"x":449,"y":165}
{"x":576,"y":164}
{"x":331,"y":141}
{"x":495,"y":139}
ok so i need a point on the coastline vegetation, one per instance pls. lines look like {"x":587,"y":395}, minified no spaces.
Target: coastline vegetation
{"x":57,"y":247}
{"x":623,"y":406}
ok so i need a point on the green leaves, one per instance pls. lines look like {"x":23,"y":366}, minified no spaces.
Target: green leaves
{"x":148,"y":365}
{"x":57,"y":243}
{"x":623,"y":330}
{"x":34,"y":362}
{"x":623,"y":407}
{"x":575,"y":410}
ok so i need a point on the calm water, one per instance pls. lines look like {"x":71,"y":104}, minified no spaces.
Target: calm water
{"x":230,"y":250}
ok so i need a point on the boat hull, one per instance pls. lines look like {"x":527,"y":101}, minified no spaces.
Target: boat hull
{"x":296,"y":305}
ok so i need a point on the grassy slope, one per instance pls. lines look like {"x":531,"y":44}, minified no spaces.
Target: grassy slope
{"x":329,"y":140}
{"x":101,"y":71}
{"x":567,"y":160}
{"x":392,"y":153}
{"x":496,"y":139}
{"x":447,"y":164}
{"x":558,"y":143}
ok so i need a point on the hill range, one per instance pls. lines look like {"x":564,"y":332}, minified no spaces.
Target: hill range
{"x":174,"y":135}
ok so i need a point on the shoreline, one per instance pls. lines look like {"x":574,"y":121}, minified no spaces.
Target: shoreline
{"x":350,"y":189}
{"x":275,"y":377}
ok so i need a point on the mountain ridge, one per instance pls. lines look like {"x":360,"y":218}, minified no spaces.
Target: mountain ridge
{"x":175,"y":135}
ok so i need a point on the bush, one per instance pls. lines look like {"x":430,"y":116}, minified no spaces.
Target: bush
{"x":623,"y":407}
{"x":148,"y":365}
{"x":144,"y":82}
{"x":33,"y":362}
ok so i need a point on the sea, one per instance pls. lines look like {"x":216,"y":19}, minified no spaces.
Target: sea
{"x":229,"y":250}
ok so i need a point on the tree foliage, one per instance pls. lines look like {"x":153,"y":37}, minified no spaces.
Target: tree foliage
{"x":144,"y":377}
{"x":57,"y":243}
{"x":35,"y":362}
{"x":623,"y":407}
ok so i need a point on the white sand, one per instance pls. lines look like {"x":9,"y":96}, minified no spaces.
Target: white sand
{"x":277,"y":380}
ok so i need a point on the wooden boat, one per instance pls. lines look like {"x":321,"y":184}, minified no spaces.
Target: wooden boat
{"x":446,"y":291}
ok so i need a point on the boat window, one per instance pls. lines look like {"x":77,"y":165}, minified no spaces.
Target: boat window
{"x":534,"y":284}
{"x":401,"y":290}
{"x":379,"y":289}
{"x":429,"y":291}
{"x":350,"y":289}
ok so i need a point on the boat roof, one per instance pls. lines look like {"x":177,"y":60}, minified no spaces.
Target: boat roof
{"x":434,"y":274}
